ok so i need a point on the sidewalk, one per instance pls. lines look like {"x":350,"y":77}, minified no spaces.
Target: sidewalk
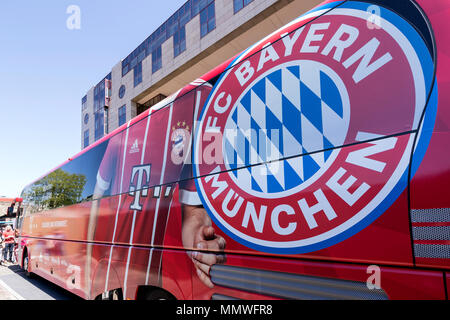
{"x":5,"y":294}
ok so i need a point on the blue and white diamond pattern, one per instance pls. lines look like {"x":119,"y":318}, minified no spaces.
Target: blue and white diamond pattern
{"x":299,"y":108}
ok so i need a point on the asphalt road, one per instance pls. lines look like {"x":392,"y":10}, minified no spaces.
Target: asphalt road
{"x":14,"y":285}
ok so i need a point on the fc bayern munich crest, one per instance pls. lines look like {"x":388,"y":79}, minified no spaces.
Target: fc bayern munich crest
{"x":316,"y":123}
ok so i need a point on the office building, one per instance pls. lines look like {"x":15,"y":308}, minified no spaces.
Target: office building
{"x":199,"y":36}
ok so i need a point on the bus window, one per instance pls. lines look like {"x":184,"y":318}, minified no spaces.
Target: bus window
{"x":70,"y":184}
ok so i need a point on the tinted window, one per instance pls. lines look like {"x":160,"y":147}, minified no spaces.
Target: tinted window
{"x":72,"y":183}
{"x":207,"y":20}
{"x":138,"y":74}
{"x":99,"y":125}
{"x":239,"y":4}
{"x":156,"y":59}
{"x":179,"y":41}
{"x":86,"y":138}
{"x":84,"y":103}
{"x":122,"y":115}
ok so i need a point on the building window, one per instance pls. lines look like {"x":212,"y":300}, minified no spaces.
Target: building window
{"x":125,"y":70}
{"x":86,"y":118}
{"x":207,"y":19}
{"x":84,"y":103}
{"x":179,"y":41}
{"x":138,"y":74}
{"x":181,"y":17}
{"x":122,"y":115}
{"x":99,"y":125}
{"x":101,"y":95}
{"x":140,"y":108}
{"x":239,"y":4}
{"x":86,"y":139}
{"x":156,"y":59}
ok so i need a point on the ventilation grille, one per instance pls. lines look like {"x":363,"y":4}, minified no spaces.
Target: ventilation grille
{"x":431,"y":233}
{"x":434,"y":251}
{"x":440,"y":233}
{"x":292,"y":286}
{"x":430,"y":215}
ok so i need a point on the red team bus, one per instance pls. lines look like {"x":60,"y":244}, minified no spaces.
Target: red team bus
{"x":313,"y":165}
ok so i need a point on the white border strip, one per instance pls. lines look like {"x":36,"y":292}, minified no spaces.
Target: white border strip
{"x":118,"y":206}
{"x":11,"y":291}
{"x":144,"y":146}
{"x":155,"y":218}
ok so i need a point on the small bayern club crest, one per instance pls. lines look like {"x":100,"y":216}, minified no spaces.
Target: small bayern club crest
{"x":179,"y":137}
{"x":316,"y":125}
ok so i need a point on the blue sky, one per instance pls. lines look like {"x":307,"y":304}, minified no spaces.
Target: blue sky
{"x":47,"y":68}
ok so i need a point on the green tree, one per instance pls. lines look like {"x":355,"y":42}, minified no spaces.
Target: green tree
{"x":57,"y":189}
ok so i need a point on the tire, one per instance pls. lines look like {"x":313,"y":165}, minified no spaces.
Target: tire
{"x":157,"y":294}
{"x":111,"y":295}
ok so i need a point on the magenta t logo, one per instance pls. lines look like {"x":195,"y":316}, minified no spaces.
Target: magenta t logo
{"x":140,"y":174}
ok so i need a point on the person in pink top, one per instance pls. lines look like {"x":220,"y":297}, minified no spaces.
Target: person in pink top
{"x":9,"y":240}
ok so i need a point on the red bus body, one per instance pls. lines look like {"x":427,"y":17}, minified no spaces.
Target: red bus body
{"x":272,"y":251}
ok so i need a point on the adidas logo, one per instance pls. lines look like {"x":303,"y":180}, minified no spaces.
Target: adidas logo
{"x":135,"y":147}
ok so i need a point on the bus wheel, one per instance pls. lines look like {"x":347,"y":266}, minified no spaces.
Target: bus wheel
{"x":155,"y":294}
{"x":111,"y":295}
{"x":116,"y":295}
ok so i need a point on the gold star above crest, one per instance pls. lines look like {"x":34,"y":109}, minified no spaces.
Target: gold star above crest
{"x":180,"y":124}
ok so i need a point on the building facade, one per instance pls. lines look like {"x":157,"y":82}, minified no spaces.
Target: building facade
{"x":195,"y":39}
{"x":5,"y":203}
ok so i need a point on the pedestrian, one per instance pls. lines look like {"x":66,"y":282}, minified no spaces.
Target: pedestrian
{"x":16,"y":244}
{"x":2,"y":245}
{"x":9,"y":240}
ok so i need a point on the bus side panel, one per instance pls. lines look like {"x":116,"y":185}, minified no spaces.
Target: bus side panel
{"x":447,"y":279}
{"x":430,"y":202}
{"x":177,"y":267}
{"x":177,"y":273}
{"x":132,"y":267}
{"x":103,"y":267}
{"x":267,"y":278}
{"x":61,"y":262}
{"x":57,"y":254}
{"x":54,"y":250}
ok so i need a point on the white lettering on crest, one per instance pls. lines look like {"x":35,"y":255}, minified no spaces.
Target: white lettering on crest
{"x":337,"y":42}
{"x":275,"y":220}
{"x":221,"y":109}
{"x":258,"y":219}
{"x":365,"y":54}
{"x":267,"y":54}
{"x":290,"y":41}
{"x":360,"y":157}
{"x":343,"y":40}
{"x":322,"y":205}
{"x":245,"y":72}
{"x":220,"y":185}
{"x":342,"y":189}
{"x":231,"y":213}
{"x":313,"y":36}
